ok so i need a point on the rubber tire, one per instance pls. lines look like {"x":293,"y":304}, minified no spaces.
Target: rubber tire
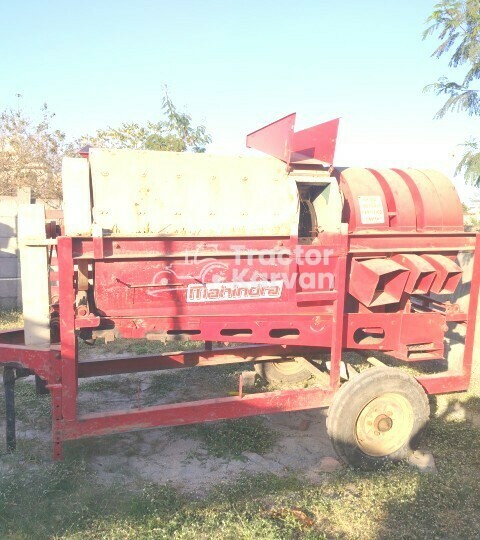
{"x":351,"y":399}
{"x":270,"y":372}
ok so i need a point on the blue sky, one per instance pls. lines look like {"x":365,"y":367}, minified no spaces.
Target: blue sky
{"x":236,"y":66}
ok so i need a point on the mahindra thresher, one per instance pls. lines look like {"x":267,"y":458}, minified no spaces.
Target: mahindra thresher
{"x":286,"y":261}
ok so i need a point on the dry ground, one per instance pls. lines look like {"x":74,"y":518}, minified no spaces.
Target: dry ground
{"x":263,"y":477}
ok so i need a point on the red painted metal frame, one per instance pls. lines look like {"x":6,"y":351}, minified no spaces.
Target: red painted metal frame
{"x":312,"y":145}
{"x":59,"y":365}
{"x":192,"y":412}
{"x":205,"y":410}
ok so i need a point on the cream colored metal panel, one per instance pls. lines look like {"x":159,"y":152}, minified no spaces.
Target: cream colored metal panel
{"x":186,"y":194}
{"x":76,"y":196}
{"x":34,"y":270}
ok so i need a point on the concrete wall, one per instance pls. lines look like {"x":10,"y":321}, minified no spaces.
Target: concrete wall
{"x":10,"y":274}
{"x":10,"y":284}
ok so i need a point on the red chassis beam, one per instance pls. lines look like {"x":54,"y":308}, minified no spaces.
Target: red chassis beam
{"x":43,"y":361}
{"x":152,"y":247}
{"x":184,"y":359}
{"x":198,"y":411}
{"x":400,"y":242}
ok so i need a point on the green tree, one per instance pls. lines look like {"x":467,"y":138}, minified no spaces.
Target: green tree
{"x":175,"y":133}
{"x":30,"y":154}
{"x":457,"y":23}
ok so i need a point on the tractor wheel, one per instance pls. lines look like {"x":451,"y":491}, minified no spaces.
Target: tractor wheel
{"x":290,"y":370}
{"x":377,"y":417}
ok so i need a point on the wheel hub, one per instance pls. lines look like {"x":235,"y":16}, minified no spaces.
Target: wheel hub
{"x":384,"y":425}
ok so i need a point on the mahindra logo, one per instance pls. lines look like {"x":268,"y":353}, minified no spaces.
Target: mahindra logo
{"x":218,"y":292}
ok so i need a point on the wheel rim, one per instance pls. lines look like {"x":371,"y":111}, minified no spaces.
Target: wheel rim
{"x":384,"y":425}
{"x":288,"y":367}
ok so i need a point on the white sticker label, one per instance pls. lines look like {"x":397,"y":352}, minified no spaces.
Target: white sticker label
{"x":371,"y":209}
{"x":246,"y":290}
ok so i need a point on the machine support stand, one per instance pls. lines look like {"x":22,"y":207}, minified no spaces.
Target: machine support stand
{"x":338,"y":324}
{"x":9,"y":386}
{"x":57,"y":420}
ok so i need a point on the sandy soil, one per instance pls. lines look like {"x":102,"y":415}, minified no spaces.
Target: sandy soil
{"x":173,"y":455}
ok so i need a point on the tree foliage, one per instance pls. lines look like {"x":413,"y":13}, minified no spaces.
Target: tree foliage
{"x":175,"y":133}
{"x":457,"y":23}
{"x":30,"y":154}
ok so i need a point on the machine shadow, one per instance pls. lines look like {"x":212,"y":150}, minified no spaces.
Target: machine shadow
{"x":444,"y":503}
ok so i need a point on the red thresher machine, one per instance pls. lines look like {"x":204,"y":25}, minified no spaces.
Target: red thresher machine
{"x":289,"y":260}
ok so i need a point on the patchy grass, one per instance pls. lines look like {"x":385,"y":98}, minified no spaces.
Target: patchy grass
{"x":135,"y":347}
{"x":108,"y":384}
{"x":31,"y":409}
{"x":164,"y":383}
{"x":10,"y":318}
{"x":193,"y":383}
{"x":230,"y":438}
{"x":68,"y":501}
{"x":41,"y":500}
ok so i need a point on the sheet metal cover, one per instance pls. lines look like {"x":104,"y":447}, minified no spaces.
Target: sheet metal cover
{"x":183,"y":194}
